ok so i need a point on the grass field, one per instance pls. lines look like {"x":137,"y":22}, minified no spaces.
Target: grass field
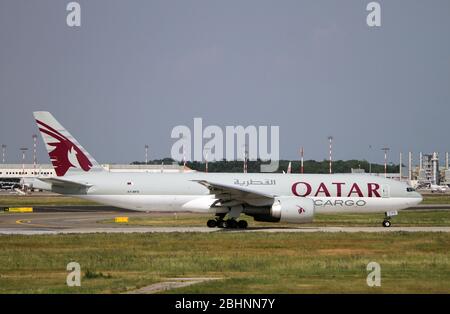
{"x":436,"y":199}
{"x":411,"y":218}
{"x":248,"y":263}
{"x":38,"y":199}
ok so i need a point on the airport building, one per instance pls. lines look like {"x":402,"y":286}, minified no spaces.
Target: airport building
{"x":429,"y":170}
{"x":17,"y":171}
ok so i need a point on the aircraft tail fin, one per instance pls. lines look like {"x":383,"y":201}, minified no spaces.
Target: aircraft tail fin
{"x":66,"y":154}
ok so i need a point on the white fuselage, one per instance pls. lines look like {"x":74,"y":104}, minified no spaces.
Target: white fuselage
{"x":181,"y":192}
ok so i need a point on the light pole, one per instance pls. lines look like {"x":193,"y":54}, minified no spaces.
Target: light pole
{"x":146,"y":154}
{"x":34,"y":153}
{"x":301,"y":160}
{"x":245,"y":158}
{"x":23,"y":149}
{"x":385,"y":149}
{"x":184,"y":154}
{"x":206,"y":159}
{"x":3,"y":153}
{"x":409,"y":167}
{"x":330,"y":138}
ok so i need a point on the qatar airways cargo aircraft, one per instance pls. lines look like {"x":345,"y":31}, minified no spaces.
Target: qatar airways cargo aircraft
{"x":272,"y":197}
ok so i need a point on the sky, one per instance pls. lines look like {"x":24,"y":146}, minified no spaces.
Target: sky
{"x":134,"y":70}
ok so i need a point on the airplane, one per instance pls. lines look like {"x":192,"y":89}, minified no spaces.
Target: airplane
{"x":269,"y":197}
{"x":9,"y":185}
{"x":438,"y":188}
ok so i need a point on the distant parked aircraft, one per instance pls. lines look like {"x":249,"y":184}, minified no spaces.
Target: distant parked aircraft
{"x":439,"y":188}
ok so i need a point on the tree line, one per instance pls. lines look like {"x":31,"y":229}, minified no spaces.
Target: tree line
{"x":254,"y":166}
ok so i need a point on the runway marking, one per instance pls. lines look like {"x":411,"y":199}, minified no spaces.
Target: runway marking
{"x":28,"y":223}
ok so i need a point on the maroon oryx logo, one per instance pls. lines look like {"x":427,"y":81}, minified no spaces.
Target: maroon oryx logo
{"x":66,"y":154}
{"x":301,"y":210}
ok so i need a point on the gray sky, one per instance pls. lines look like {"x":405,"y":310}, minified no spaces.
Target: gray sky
{"x":136,"y":69}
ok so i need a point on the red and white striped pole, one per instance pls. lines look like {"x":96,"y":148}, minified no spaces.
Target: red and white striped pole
{"x":23,"y":149}
{"x":301,"y":160}
{"x":385,"y":149}
{"x":330,"y":138}
{"x":3,"y":153}
{"x":245,"y":161}
{"x":34,"y":153}
{"x":146,"y":154}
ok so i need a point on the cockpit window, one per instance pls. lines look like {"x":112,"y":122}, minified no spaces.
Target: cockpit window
{"x":410,"y":189}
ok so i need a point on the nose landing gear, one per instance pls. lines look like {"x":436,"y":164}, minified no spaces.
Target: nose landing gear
{"x":387,"y":219}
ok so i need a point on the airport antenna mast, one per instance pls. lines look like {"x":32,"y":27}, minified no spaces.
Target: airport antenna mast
{"x":301,"y":160}
{"x":245,"y":160}
{"x":330,"y":138}
{"x":34,"y":152}
{"x":206,"y":159}
{"x":146,"y":154}
{"x":385,"y":149}
{"x":409,"y":167}
{"x":23,"y":149}
{"x":3,"y":153}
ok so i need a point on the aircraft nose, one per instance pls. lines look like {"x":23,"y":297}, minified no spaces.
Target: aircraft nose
{"x":419,"y":198}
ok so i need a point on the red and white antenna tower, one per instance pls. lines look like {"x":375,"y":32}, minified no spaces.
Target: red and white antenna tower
{"x":34,"y":153}
{"x":330,"y":138}
{"x":301,"y":160}
{"x":206,"y":162}
{"x":23,"y":149}
{"x":146,"y":154}
{"x":385,"y":149}
{"x":3,"y":153}
{"x":245,"y":161}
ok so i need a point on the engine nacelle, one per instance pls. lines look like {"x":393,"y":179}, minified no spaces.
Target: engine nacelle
{"x":293,"y":209}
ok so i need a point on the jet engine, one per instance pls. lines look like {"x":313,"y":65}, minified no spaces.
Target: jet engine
{"x":291,"y":209}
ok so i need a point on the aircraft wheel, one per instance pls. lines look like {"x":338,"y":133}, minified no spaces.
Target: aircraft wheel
{"x":232,"y":223}
{"x":386,"y":223}
{"x":242,"y":224}
{"x":212,"y":223}
{"x":222,"y":224}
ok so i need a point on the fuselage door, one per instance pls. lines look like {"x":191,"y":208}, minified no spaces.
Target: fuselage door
{"x":385,"y":191}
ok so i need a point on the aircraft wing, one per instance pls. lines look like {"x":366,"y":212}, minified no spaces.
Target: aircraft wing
{"x":236,"y":195}
{"x":65,"y":183}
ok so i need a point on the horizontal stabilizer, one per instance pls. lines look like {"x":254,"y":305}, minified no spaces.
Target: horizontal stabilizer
{"x":65,"y":183}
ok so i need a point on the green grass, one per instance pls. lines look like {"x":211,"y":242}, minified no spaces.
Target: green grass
{"x":247,"y":262}
{"x":436,"y":199}
{"x":54,"y":200}
{"x":404,"y":219}
{"x":39,"y":200}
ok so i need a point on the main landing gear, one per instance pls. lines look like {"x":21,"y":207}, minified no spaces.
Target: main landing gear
{"x":231,"y":223}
